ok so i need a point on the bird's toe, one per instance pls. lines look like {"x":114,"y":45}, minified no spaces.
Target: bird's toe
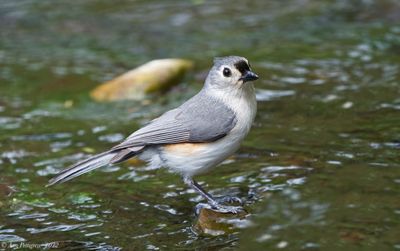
{"x":229,"y":200}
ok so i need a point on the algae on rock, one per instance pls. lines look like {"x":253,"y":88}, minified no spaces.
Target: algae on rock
{"x":154,"y":76}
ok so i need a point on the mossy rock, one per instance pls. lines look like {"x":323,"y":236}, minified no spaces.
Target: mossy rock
{"x":211,"y":222}
{"x":154,"y":76}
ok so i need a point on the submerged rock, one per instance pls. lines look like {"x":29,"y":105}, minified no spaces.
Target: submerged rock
{"x":154,"y":76}
{"x":5,"y":191}
{"x":211,"y":222}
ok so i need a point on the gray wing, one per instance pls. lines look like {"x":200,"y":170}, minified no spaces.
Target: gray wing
{"x":200,"y":119}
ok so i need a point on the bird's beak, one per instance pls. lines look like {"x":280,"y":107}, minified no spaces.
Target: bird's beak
{"x":249,"y":76}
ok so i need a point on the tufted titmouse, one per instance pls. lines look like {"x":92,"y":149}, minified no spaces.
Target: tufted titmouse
{"x":196,"y":136}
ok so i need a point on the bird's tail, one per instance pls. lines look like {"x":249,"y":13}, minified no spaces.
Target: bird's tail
{"x":82,"y":167}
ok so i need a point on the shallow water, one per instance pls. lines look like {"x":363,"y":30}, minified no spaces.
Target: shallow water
{"x":319,"y":170}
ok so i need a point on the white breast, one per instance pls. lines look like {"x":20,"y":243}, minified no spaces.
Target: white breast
{"x":192,"y":159}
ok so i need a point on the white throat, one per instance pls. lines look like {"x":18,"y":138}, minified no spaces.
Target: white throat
{"x":238,"y":99}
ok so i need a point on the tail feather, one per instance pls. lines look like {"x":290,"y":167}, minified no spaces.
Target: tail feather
{"x":125,"y":154}
{"x":82,"y":167}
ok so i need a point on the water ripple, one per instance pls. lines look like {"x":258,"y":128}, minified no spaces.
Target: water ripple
{"x":10,"y":238}
{"x":56,"y":228}
{"x":10,"y":123}
{"x":33,"y":216}
{"x":42,"y":137}
{"x":267,"y":95}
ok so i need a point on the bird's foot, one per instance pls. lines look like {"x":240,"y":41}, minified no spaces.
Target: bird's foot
{"x":219,"y":208}
{"x":229,"y":200}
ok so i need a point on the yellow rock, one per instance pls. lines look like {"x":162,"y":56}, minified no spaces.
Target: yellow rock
{"x":88,"y":150}
{"x":156,"y":75}
{"x":68,"y":103}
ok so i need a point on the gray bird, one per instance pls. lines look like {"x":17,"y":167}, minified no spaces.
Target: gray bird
{"x":196,"y":136}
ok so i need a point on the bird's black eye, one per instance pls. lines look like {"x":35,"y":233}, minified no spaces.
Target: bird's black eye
{"x":227,"y":72}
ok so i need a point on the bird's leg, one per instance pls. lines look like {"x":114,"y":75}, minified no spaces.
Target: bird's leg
{"x":196,"y":186}
{"x":213,"y":203}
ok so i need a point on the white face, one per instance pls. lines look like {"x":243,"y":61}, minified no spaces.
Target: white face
{"x":230,"y":75}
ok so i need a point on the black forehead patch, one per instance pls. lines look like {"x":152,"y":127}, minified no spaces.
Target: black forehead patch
{"x":242,"y":66}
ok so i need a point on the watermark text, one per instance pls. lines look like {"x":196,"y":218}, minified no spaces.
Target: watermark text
{"x":26,"y":245}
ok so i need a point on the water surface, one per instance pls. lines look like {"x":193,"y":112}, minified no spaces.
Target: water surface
{"x":319,"y":170}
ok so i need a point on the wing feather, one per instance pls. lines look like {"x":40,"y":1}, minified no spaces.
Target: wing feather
{"x":200,"y":119}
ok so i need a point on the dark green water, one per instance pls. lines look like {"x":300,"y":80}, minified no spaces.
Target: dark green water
{"x":320,"y":169}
